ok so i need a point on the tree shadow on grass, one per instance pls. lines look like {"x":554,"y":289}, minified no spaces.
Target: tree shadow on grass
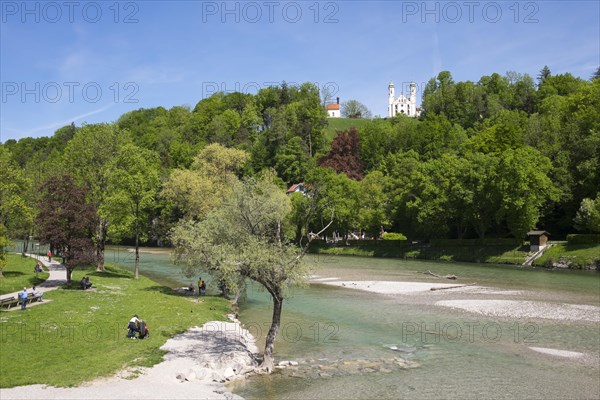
{"x":112,"y":274}
{"x":12,"y":274}
{"x":170,"y":291}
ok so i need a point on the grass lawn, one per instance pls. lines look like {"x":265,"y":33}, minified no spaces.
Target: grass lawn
{"x":342,"y":124}
{"x":18,"y":273}
{"x":581,"y":255}
{"x":81,"y":335}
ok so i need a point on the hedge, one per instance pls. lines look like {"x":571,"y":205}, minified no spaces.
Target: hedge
{"x":583,"y":239}
{"x":475,"y":242}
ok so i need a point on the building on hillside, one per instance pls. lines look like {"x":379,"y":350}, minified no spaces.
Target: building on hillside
{"x":333,"y":110}
{"x":538,"y":240}
{"x":297,"y":187}
{"x":402,"y":104}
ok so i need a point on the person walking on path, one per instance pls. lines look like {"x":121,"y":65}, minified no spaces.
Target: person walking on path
{"x":49,"y":256}
{"x":23,"y":296}
{"x":37,"y":269}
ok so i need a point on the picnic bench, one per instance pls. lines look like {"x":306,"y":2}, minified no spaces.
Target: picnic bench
{"x":15,"y":301}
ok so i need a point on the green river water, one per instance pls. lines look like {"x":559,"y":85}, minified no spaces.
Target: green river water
{"x":348,"y":341}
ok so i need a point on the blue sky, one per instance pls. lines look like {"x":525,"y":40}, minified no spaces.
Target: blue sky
{"x":80,"y":61}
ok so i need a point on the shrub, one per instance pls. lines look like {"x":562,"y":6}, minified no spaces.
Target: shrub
{"x":393,"y":236}
{"x":583,"y":239}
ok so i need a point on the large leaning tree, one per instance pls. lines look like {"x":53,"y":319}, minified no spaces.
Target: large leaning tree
{"x":243,"y":239}
{"x":67,"y":221}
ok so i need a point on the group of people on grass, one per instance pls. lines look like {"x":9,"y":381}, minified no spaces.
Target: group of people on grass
{"x":85,"y":283}
{"x":137,"y":325}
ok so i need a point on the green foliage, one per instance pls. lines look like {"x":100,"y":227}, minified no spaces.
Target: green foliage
{"x":242,"y":238}
{"x":4,"y":243}
{"x":583,"y":239}
{"x":393,"y":236}
{"x":588,"y":215}
{"x":198,"y":190}
{"x":496,"y":156}
{"x":373,"y":213}
{"x":133,"y":186}
{"x":336,"y":198}
{"x":17,"y":211}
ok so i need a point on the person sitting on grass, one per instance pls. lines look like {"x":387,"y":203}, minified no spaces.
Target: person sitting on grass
{"x":37,"y":294}
{"x":133,"y":326}
{"x":85,"y":283}
{"x":143,"y":331}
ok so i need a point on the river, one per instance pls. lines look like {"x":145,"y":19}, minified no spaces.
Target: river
{"x":355,"y":344}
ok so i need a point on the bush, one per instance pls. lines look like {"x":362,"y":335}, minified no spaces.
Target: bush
{"x":583,"y":239}
{"x":393,"y":236}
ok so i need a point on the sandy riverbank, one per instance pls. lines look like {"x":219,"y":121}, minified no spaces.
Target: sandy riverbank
{"x":495,"y":306}
{"x":195,"y":367}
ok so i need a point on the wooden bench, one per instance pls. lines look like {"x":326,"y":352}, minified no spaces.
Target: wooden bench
{"x":9,"y":302}
{"x":15,"y":301}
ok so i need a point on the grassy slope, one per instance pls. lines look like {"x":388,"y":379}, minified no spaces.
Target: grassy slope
{"x":81,"y":335}
{"x":341,"y":124}
{"x":581,"y":255}
{"x":18,"y":273}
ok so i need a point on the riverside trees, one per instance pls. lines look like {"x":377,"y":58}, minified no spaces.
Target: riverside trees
{"x":461,"y":168}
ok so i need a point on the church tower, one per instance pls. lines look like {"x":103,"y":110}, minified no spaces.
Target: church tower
{"x":413,"y":98}
{"x":391,"y":98}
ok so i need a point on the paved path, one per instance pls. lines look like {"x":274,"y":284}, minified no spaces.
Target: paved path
{"x":57,"y":278}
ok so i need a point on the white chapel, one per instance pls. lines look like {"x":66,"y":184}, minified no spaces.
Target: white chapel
{"x":402,"y":104}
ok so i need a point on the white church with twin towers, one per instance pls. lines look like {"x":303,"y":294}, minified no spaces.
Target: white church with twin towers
{"x":402,"y":104}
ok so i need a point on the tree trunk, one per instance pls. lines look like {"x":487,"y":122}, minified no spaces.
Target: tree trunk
{"x":25,"y":245}
{"x":137,"y":245}
{"x":267,"y":363}
{"x":69,"y":273}
{"x":100,"y":244}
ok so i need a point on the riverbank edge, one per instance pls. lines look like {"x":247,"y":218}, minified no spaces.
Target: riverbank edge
{"x":483,"y":254}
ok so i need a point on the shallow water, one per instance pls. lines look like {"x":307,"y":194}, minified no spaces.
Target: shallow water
{"x":335,"y":333}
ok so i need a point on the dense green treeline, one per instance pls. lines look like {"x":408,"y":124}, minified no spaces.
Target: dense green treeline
{"x":493,"y":158}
